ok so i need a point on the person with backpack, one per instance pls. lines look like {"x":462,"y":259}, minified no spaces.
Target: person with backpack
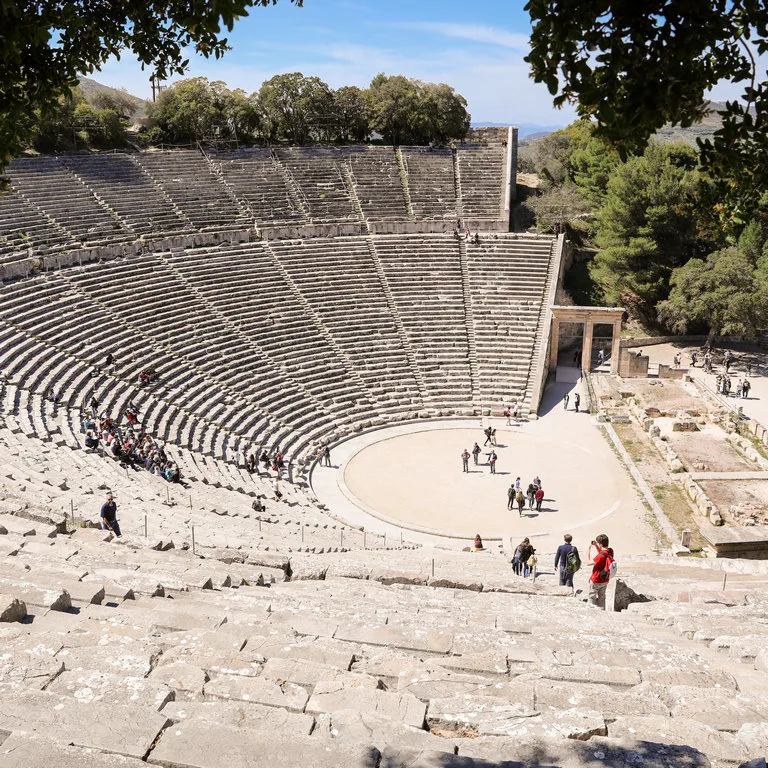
{"x":522,"y":552}
{"x":476,"y":453}
{"x":511,"y":497}
{"x":520,"y":499}
{"x":567,"y":561}
{"x":603,"y":567}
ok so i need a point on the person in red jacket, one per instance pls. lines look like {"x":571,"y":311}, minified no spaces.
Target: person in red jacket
{"x":600,"y":556}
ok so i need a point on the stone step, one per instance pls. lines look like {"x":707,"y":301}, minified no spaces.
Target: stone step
{"x":113,"y":728}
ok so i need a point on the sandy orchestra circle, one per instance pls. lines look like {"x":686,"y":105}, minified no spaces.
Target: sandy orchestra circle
{"x":417,"y":480}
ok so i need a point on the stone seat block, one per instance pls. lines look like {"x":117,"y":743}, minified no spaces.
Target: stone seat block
{"x":119,"y":729}
{"x":259,"y":690}
{"x":23,"y":749}
{"x":307,"y":674}
{"x":245,"y":716}
{"x":188,"y":746}
{"x":42,"y":598}
{"x":111,"y":687}
{"x":12,"y":609}
{"x":323,"y":651}
{"x":407,"y":638}
{"x":722,"y":748}
{"x":333,"y":696}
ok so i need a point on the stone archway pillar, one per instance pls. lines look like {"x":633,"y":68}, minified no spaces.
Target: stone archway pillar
{"x":554,"y":342}
{"x":586,"y":347}
{"x":616,"y":346}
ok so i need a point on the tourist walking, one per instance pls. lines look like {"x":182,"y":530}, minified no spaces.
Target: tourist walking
{"x":531,"y":495}
{"x":539,"y":498}
{"x":520,"y":499}
{"x":511,"y":493}
{"x":745,"y":388}
{"x":508,"y":414}
{"x":493,"y":437}
{"x":465,"y":460}
{"x":519,"y":560}
{"x":487,"y":432}
{"x":567,"y":561}
{"x":601,"y":562}
{"x":109,"y":516}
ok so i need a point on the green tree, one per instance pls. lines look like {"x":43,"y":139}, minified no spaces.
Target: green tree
{"x":123,"y":104}
{"x":720,"y":295}
{"x":395,"y":108}
{"x":637,"y":66}
{"x":445,"y":113}
{"x":47,"y":44}
{"x":196,"y":109}
{"x":647,"y":227}
{"x":296,"y":107}
{"x":351,"y":110}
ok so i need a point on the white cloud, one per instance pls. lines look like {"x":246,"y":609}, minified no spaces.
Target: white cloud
{"x":479,"y":33}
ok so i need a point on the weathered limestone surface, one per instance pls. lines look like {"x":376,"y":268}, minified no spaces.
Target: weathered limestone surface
{"x":332,"y":696}
{"x":26,"y":750}
{"x":12,"y":609}
{"x":112,"y":728}
{"x":188,"y":745}
{"x":241,"y":715}
{"x":259,"y":690}
{"x":97,"y":685}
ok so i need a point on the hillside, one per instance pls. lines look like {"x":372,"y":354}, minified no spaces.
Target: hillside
{"x":91,"y":87}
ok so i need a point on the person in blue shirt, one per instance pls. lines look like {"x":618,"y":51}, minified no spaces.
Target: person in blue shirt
{"x":561,"y":561}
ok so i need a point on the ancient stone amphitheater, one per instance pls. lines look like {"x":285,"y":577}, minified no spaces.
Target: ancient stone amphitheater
{"x":295,"y":297}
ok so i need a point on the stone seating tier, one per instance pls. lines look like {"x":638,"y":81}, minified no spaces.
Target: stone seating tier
{"x":359,"y":658}
{"x":106,"y":201}
{"x":287,"y":342}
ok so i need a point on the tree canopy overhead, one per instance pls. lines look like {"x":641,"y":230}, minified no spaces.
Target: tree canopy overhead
{"x":47,"y":44}
{"x":635,"y":66}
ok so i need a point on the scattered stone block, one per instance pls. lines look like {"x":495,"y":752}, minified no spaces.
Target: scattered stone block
{"x":11,"y":608}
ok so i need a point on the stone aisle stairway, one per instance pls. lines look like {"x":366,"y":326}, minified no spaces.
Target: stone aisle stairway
{"x":469,"y":319}
{"x":418,"y":374}
{"x":536,"y":368}
{"x":404,"y":180}
{"x":298,"y":198}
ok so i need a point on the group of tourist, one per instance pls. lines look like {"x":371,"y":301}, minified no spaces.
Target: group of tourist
{"x":567,"y":562}
{"x":273,"y":460}
{"x":128,"y":443}
{"x":534,"y":494}
{"x":511,"y":412}
{"x":724,"y":386}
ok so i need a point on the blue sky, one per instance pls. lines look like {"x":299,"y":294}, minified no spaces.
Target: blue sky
{"x":476,"y":47}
